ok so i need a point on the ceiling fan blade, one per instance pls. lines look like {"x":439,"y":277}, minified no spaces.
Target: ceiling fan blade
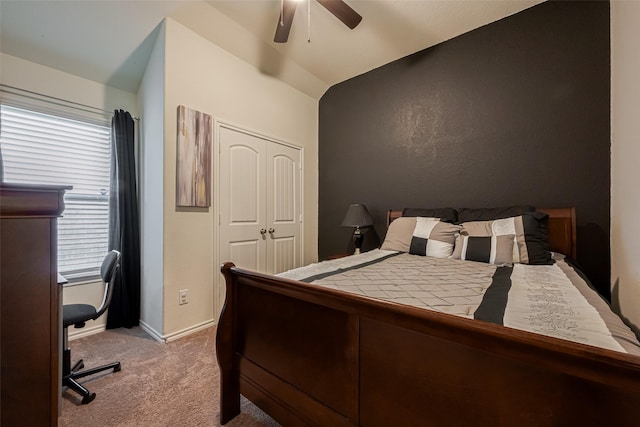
{"x":343,"y":12}
{"x":285,"y":21}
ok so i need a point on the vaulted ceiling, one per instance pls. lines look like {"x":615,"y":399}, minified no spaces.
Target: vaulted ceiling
{"x":110,"y":41}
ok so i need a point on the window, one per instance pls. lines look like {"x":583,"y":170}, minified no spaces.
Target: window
{"x":40,"y":148}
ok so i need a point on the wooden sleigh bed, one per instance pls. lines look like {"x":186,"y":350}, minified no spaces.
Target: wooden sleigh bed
{"x":308,"y":355}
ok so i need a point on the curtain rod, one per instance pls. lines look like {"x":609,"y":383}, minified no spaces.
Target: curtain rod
{"x":66,"y":103}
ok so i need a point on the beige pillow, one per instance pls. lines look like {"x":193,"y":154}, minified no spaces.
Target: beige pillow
{"x":421,"y":236}
{"x":399,"y":234}
{"x":433,"y":238}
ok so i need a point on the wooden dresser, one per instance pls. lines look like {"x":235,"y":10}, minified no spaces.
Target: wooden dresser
{"x":30,"y":325}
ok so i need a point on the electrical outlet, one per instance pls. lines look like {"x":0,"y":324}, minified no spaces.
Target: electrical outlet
{"x":183,"y":293}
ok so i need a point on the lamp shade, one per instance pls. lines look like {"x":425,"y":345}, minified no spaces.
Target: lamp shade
{"x":357,"y":216}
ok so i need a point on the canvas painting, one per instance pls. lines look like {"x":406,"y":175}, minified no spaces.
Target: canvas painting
{"x":193,"y":168}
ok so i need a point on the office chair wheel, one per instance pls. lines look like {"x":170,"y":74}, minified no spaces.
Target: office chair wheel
{"x":117,"y":368}
{"x":88,"y":398}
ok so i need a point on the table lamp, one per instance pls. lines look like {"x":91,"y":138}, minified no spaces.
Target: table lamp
{"x":357,"y":216}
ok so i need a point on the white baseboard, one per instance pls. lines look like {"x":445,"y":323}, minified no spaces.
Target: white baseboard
{"x":85,"y":332}
{"x":178,"y":334}
{"x":152,"y":332}
{"x":190,"y":330}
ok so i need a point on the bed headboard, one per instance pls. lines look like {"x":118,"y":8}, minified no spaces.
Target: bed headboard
{"x":561,"y":229}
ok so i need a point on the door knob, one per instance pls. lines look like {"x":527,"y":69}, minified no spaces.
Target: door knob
{"x":263,"y":231}
{"x":271,"y":231}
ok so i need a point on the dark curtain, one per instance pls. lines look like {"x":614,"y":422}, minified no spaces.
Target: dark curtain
{"x":124,"y":227}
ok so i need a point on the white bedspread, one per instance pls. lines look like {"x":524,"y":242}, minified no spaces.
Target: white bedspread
{"x":551,"y":300}
{"x":543,"y":300}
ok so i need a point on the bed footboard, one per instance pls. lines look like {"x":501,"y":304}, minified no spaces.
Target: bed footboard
{"x":305,"y":352}
{"x":308,"y":355}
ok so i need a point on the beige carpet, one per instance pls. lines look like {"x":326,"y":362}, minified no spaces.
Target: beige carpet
{"x":174,"y":384}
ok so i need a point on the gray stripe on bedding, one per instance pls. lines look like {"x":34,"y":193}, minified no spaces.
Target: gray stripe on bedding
{"x":342,"y":270}
{"x":495,"y":299}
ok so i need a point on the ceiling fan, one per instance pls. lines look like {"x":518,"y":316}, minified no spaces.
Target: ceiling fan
{"x":338,"y":8}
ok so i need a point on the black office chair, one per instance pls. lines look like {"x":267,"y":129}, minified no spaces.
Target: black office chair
{"x":77,"y":315}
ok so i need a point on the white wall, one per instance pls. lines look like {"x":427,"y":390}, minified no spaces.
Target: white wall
{"x":151,"y":190}
{"x":204,"y":77}
{"x":27,"y":75}
{"x":43,"y":80}
{"x":625,"y":159}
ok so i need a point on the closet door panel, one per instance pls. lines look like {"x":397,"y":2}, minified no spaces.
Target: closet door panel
{"x":283,"y":207}
{"x":244,"y":186}
{"x":246,"y":253}
{"x":242,"y":199}
{"x":284,"y":254}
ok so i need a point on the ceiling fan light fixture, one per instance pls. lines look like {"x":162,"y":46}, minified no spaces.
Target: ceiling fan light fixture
{"x":338,"y":8}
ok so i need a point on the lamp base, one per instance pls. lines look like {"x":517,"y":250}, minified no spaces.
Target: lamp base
{"x":358,"y":237}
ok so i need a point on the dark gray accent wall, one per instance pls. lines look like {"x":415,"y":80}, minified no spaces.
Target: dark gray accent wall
{"x":515,"y":112}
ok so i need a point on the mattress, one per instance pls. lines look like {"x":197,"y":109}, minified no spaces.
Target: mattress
{"x":553,"y":300}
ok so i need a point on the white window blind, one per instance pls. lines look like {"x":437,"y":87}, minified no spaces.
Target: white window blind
{"x":41,"y":148}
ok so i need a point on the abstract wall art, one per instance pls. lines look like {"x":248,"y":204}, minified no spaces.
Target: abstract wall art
{"x":193,"y":158}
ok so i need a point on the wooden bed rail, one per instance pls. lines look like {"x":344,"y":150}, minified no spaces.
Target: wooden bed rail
{"x":309,"y":355}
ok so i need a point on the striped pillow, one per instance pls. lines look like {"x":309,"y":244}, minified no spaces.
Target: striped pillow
{"x":530,"y":244}
{"x":399,"y":234}
{"x":489,"y":249}
{"x":433,"y":238}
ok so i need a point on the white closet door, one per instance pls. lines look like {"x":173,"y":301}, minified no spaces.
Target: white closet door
{"x":242,"y":199}
{"x":283,"y":208}
{"x":260,"y":202}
